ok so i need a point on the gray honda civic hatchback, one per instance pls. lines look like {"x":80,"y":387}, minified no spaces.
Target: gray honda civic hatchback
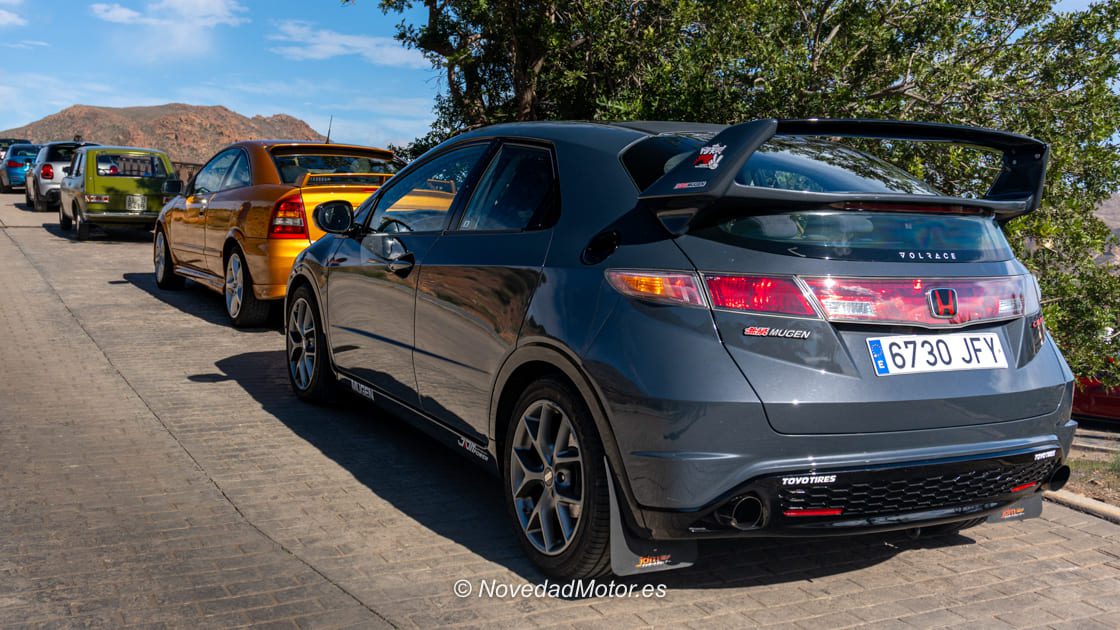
{"x":656,"y":333}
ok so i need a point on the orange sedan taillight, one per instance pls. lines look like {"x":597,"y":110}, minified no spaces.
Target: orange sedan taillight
{"x":288,"y":219}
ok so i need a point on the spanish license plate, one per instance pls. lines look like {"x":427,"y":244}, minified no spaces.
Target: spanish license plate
{"x":136,"y":203}
{"x":909,"y":354}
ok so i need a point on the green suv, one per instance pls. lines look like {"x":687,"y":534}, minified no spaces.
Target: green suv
{"x":118,"y":186}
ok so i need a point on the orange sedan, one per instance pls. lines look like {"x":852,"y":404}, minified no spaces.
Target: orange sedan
{"x":240,"y":222}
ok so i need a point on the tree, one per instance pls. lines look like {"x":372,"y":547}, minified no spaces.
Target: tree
{"x":1007,"y":64}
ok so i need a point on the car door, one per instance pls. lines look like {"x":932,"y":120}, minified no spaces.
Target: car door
{"x":476,"y":283}
{"x":71,"y":187}
{"x":188,"y":229}
{"x":371,"y":279}
{"x":222,"y":210}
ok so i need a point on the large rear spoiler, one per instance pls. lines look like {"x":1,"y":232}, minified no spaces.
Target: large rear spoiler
{"x":706,"y":183}
{"x":343,"y":179}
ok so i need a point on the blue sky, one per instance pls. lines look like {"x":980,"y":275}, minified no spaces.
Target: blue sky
{"x":308,"y":58}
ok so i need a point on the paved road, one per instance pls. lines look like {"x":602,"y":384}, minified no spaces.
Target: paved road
{"x":154,"y":470}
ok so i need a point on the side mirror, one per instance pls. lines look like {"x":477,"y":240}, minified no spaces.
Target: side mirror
{"x":334,"y":217}
{"x":172,"y":187}
{"x":65,"y":170}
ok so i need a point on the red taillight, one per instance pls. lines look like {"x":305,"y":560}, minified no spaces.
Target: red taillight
{"x":759,"y":294}
{"x":14,"y":164}
{"x":908,"y":300}
{"x":47,"y":171}
{"x":288,"y":219}
{"x":820,"y":512}
{"x":657,"y":286}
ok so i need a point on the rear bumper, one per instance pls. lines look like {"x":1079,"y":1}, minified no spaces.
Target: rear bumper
{"x":121,"y":218}
{"x":858,"y":498}
{"x":270,"y":263}
{"x":16,"y":177}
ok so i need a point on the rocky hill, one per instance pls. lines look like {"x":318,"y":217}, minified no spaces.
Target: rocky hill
{"x":189,"y":133}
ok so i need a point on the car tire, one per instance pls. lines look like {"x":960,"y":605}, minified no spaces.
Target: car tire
{"x":242,"y":306}
{"x":27,"y":197}
{"x":310,"y":372}
{"x":554,"y":473}
{"x":166,"y":278}
{"x":64,"y":221}
{"x":81,"y":226}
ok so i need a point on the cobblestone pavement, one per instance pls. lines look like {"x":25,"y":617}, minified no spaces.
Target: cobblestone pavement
{"x":155,"y":470}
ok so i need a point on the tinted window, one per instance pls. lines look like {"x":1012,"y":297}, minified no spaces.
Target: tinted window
{"x":649,"y":159}
{"x":130,"y":165}
{"x":355,"y":168}
{"x":822,"y":166}
{"x":871,"y":236}
{"x":61,"y":152}
{"x":210,"y":178}
{"x":787,"y":163}
{"x":514,"y":189}
{"x":239,"y":176}
{"x":22,"y":151}
{"x":420,"y":201}
{"x":76,"y":164}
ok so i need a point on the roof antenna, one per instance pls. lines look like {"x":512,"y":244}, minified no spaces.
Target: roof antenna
{"x":329,"y":125}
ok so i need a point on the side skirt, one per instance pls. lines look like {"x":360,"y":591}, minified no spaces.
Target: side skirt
{"x":455,"y":440}
{"x":208,"y":280}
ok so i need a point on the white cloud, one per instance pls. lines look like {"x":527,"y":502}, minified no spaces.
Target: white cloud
{"x":26,"y":44}
{"x":180,"y":28}
{"x":118,"y":14}
{"x":310,"y":43}
{"x":202,"y":12}
{"x":7,"y":18}
{"x":174,"y":13}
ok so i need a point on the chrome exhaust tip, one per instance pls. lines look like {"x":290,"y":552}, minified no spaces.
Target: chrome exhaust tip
{"x":745,"y":513}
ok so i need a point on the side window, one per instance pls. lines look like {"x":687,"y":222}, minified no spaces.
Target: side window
{"x":516,"y":187}
{"x":420,"y":202}
{"x":239,"y":175}
{"x":210,"y":178}
{"x":76,"y":165}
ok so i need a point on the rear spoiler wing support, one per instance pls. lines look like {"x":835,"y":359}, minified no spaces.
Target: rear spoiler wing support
{"x":706,"y":183}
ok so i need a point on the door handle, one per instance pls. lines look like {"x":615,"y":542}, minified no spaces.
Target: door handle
{"x":401,"y":263}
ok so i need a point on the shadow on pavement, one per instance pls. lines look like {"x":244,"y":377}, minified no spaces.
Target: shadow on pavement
{"x":198,"y":301}
{"x":442,"y":491}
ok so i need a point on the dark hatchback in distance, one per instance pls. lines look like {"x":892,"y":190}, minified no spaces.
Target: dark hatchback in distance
{"x":657,"y":333}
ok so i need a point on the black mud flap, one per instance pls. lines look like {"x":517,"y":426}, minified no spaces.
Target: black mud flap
{"x":1029,"y":507}
{"x":631,"y":555}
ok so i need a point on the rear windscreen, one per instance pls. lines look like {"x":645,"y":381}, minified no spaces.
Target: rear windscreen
{"x":61,"y":153}
{"x":785,"y":163}
{"x":866,"y":236}
{"x":130,"y":165}
{"x":23,"y":151}
{"x":294,"y":166}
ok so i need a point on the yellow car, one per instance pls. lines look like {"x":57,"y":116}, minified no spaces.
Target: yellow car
{"x":240,"y":222}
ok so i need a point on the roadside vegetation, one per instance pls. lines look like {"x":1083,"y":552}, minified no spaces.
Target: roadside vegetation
{"x":1015,"y":65}
{"x":1095,"y":475}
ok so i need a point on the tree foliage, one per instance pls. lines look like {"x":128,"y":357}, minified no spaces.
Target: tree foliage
{"x":1008,"y":64}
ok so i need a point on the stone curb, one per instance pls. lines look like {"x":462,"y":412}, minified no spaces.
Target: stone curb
{"x":1081,"y":503}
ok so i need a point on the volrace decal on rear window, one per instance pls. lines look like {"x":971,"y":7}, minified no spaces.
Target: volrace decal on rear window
{"x":927,"y":255}
{"x":710,"y":157}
